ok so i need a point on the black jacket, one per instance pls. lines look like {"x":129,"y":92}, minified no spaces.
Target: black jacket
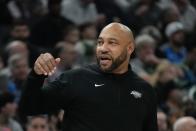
{"x":93,"y":100}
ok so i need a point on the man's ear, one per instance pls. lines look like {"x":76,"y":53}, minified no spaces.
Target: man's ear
{"x":130,"y":48}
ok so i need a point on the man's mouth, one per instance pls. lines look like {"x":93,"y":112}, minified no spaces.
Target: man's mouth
{"x":104,"y":60}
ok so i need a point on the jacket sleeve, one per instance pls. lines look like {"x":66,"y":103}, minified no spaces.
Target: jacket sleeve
{"x":39,"y":99}
{"x":150,"y":123}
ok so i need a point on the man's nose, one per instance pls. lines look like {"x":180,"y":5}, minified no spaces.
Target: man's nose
{"x":104,"y":48}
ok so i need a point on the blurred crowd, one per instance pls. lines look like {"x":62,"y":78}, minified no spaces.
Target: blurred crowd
{"x":165,"y":55}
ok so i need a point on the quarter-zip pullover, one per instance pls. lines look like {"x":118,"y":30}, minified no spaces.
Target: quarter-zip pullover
{"x":94,"y":100}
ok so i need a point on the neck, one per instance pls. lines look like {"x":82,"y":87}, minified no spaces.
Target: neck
{"x":121,"y":69}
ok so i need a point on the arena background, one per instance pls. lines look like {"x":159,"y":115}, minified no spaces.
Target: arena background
{"x":165,"y":55}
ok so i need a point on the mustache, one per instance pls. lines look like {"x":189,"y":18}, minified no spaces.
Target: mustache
{"x":104,"y":56}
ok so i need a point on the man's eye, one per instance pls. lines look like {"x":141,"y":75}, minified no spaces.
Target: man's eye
{"x":99,"y":42}
{"x":112,"y":43}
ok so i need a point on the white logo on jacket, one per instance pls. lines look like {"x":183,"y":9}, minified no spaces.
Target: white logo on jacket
{"x":136,"y":94}
{"x":98,"y":85}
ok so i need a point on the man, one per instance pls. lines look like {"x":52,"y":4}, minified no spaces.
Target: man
{"x":174,"y":49}
{"x":19,"y":69}
{"x":17,"y":47}
{"x":103,"y":97}
{"x":20,"y":31}
{"x":185,"y":124}
{"x":146,"y":62}
{"x":21,"y":47}
{"x":86,"y":46}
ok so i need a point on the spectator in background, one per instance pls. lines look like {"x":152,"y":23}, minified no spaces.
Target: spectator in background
{"x":156,"y":35}
{"x":86,"y":46}
{"x":37,"y":123}
{"x":169,"y":14}
{"x":48,"y":31}
{"x":67,"y":53}
{"x":21,"y":47}
{"x":7,"y":112}
{"x":19,"y":30}
{"x":170,"y":97}
{"x":124,"y":4}
{"x":146,"y":61}
{"x":185,"y":124}
{"x":143,"y":13}
{"x":187,"y":14}
{"x":166,"y":72}
{"x":71,"y":34}
{"x":162,"y":121}
{"x":170,"y":100}
{"x":19,"y":68}
{"x":37,"y":9}
{"x":79,"y":11}
{"x":110,"y":9}
{"x":164,"y":3}
{"x":15,"y":47}
{"x":189,"y":66}
{"x":174,"y":49}
{"x":154,"y":32}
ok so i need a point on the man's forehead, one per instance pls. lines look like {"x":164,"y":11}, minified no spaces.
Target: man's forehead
{"x":109,"y":35}
{"x":117,"y":30}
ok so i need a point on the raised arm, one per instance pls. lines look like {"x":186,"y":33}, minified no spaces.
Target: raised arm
{"x":37,"y":99}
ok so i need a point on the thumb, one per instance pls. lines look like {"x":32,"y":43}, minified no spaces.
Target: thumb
{"x":57,"y":60}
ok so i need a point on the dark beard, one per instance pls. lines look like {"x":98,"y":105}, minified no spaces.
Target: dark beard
{"x":115,"y":62}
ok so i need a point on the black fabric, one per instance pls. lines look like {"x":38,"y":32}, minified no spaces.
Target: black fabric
{"x":111,"y":106}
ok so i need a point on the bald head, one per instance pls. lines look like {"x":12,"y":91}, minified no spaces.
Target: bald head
{"x":121,"y":29}
{"x":185,"y":124}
